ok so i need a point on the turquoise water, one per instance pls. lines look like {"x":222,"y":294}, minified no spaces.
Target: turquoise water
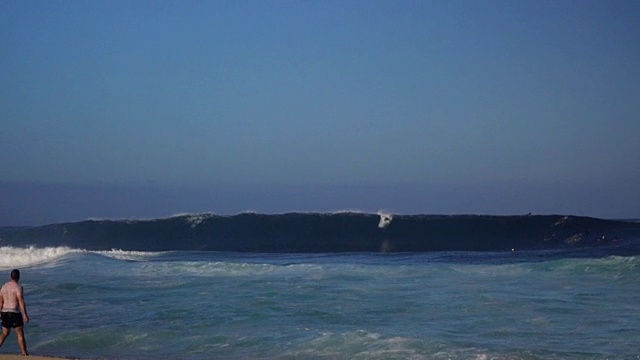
{"x":209,"y":305}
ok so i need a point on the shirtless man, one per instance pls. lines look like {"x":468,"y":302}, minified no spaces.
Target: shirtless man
{"x":14,"y":311}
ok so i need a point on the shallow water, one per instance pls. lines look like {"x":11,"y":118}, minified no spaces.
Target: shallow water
{"x":210,"y":305}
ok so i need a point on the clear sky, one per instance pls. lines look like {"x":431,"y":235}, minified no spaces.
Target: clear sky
{"x":141,"y":109}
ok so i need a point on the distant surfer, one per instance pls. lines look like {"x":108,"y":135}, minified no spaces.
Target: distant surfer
{"x":385,"y":220}
{"x":14,"y":311}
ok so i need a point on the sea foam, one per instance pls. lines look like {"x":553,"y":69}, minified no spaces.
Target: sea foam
{"x":20,"y":257}
{"x":119,"y":254}
{"x":17,"y":257}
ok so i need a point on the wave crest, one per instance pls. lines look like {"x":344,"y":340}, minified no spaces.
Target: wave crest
{"x":17,"y":257}
{"x":127,"y":255}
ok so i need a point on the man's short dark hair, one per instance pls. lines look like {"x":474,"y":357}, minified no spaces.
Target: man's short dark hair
{"x":15,"y":274}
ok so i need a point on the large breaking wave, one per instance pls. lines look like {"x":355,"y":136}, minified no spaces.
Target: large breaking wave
{"x":335,"y":232}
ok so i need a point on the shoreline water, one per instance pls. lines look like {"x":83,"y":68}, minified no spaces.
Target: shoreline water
{"x":199,"y":305}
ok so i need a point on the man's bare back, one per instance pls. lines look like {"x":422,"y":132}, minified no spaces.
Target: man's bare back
{"x":13,"y":310}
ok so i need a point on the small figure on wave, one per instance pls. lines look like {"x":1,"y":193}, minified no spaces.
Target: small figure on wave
{"x":385,"y":220}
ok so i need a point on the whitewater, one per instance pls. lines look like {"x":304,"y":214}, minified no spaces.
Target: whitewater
{"x":222,"y":305}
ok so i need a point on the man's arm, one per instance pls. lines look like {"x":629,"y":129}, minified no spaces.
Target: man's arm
{"x":23,"y":308}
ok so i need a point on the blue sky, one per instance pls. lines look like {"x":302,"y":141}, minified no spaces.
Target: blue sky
{"x":138,"y":109}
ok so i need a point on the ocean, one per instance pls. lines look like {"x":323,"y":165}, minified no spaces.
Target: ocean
{"x":192,"y":305}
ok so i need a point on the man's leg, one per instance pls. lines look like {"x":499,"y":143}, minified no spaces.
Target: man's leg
{"x":5,"y":333}
{"x":21,"y":341}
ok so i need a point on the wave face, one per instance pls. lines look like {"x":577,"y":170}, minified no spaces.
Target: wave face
{"x":339,"y":232}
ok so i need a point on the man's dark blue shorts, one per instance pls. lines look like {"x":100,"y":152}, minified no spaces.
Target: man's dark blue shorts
{"x":12,"y":320}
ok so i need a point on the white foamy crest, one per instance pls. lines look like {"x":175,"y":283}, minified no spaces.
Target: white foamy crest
{"x":16,"y":257}
{"x":194,"y":219}
{"x":127,"y":255}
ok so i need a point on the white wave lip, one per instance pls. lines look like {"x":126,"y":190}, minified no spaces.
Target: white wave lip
{"x":19,"y":257}
{"x":126,"y":255}
{"x":16,"y":257}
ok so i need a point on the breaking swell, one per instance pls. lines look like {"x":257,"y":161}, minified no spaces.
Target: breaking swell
{"x":328,"y":233}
